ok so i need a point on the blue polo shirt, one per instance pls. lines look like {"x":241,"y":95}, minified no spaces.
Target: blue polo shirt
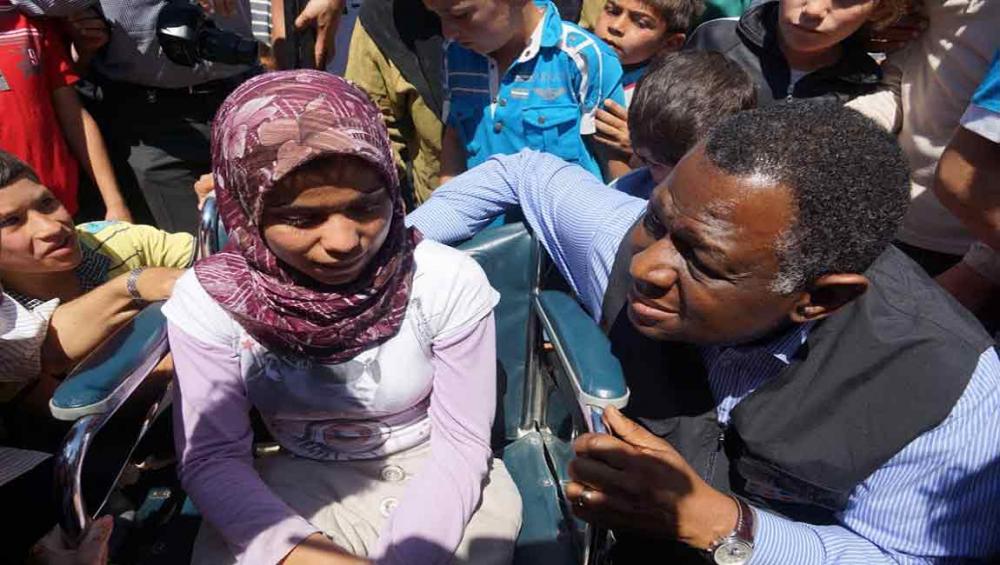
{"x":545,"y":101}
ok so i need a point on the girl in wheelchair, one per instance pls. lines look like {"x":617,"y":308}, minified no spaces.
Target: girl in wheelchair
{"x":368,"y":352}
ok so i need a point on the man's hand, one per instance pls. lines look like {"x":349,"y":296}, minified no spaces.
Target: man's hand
{"x":612,"y":127}
{"x":88,"y":31}
{"x":641,"y":483}
{"x":325,"y":16}
{"x":93,"y":550}
{"x":204,"y":187}
{"x":221,"y":7}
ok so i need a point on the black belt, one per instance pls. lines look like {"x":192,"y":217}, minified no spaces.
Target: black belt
{"x":152,"y":94}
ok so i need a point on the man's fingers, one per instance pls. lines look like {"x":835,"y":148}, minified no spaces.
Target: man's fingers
{"x":610,"y":119}
{"x":632,"y":432}
{"x":592,"y":501}
{"x":600,"y":476}
{"x":605,"y":448}
{"x":616,"y":109}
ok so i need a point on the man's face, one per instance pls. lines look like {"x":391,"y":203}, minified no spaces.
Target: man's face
{"x":703,"y":257}
{"x":808,"y":26}
{"x":483,"y":26}
{"x":38,"y":232}
{"x":633,"y":29}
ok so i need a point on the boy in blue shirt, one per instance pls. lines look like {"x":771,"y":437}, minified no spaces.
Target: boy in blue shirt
{"x":638,"y":30}
{"x":517,"y":77}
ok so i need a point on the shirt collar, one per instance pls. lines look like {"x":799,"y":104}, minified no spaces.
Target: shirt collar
{"x":548,"y":33}
{"x":782,"y":346}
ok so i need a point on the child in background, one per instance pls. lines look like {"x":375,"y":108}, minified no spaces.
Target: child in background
{"x":802,"y":48}
{"x":637,"y":30}
{"x":517,"y":77}
{"x":682,"y":96}
{"x":43,"y":121}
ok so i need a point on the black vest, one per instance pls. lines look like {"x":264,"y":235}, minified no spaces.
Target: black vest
{"x":869,"y":379}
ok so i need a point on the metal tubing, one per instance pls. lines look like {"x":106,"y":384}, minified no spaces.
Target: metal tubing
{"x":533,"y":407}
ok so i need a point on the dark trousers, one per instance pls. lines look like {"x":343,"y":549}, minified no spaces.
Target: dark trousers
{"x":160,"y":144}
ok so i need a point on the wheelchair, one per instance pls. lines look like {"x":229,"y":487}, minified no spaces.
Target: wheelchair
{"x":556,"y":375}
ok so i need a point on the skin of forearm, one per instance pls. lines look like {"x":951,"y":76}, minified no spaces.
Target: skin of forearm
{"x":85,"y":140}
{"x":79,"y":326}
{"x":967,"y":182}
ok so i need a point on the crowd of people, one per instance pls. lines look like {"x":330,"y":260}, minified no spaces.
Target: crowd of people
{"x":784,"y":215}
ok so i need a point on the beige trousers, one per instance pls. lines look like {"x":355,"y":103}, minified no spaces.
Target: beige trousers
{"x":357,"y":496}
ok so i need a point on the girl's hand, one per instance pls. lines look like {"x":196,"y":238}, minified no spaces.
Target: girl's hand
{"x":612,"y":127}
{"x":318,"y":549}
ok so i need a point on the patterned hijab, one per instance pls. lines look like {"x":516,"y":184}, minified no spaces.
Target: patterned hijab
{"x":267,"y":128}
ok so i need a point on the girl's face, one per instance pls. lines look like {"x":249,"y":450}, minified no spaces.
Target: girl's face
{"x":38,"y":232}
{"x":329,"y":219}
{"x":810,"y":26}
{"x":634,"y":30}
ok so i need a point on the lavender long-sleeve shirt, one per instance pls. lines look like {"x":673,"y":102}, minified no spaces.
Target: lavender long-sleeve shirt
{"x":213,"y":433}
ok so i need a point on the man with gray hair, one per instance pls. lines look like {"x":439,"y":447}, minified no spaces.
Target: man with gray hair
{"x":801,"y":392}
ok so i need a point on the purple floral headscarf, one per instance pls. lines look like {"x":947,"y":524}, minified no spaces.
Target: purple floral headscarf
{"x":267,"y":128}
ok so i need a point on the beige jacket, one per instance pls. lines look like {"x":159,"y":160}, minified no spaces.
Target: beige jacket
{"x":927,"y":88}
{"x":414,"y":129}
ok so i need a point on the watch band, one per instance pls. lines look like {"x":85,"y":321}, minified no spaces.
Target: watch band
{"x":736,"y":548}
{"x":132,"y":286}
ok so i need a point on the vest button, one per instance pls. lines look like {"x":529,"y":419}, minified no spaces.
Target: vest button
{"x":498,"y":127}
{"x":541,"y":119}
{"x":503,"y":101}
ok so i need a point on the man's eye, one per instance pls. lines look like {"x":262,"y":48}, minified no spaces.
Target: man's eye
{"x":9,"y":221}
{"x":653,"y":225}
{"x":612,"y":9}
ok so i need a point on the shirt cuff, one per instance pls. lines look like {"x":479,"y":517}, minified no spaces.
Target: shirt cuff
{"x":982,"y":122}
{"x":778,"y":540}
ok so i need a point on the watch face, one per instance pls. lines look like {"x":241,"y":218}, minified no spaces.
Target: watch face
{"x":733,"y":552}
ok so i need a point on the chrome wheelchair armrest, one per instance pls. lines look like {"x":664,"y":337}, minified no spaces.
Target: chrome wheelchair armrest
{"x":111,"y":373}
{"x":208,"y":229}
{"x":93,"y":394}
{"x":585,"y":354}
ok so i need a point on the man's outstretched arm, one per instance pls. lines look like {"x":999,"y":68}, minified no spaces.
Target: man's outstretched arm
{"x":578,"y":219}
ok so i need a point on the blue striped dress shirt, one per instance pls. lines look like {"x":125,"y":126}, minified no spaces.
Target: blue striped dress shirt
{"x":936,"y":501}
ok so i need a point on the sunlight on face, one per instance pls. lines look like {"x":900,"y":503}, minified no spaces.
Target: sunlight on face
{"x":329,"y":219}
{"x":38,"y":232}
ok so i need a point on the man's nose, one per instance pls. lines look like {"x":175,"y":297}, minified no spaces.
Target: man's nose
{"x":654,"y":269}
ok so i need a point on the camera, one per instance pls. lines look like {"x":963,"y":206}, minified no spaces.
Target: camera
{"x":188,"y":36}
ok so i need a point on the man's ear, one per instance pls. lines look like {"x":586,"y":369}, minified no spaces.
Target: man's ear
{"x":828,"y":294}
{"x":673,"y":42}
